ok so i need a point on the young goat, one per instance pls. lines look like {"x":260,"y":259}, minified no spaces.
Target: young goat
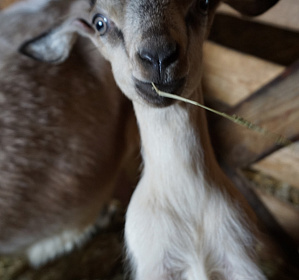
{"x":62,"y":134}
{"x":185,"y":219}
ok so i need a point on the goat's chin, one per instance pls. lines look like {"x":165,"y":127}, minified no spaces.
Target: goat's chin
{"x":154,"y":100}
{"x":149,"y":95}
{"x":157,"y":102}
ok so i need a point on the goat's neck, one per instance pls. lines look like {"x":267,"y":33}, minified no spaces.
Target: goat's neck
{"x":176,"y":149}
{"x":175,"y":140}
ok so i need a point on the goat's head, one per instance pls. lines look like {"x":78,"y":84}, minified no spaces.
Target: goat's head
{"x":153,"y":41}
{"x":146,"y":41}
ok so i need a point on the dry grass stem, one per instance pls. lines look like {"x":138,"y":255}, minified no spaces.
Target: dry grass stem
{"x":279,"y":139}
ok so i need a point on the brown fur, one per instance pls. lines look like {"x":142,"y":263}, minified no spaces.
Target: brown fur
{"x":62,"y":132}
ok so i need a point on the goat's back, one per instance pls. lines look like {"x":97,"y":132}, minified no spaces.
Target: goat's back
{"x":60,"y":132}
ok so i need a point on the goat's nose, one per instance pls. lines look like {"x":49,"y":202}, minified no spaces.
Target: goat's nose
{"x":160,"y":57}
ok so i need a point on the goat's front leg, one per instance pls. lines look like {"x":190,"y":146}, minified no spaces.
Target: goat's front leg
{"x":154,"y":242}
{"x":204,"y":239}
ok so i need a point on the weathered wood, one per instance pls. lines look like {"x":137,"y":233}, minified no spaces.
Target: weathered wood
{"x":284,"y":14}
{"x":275,"y":196}
{"x":286,"y":247}
{"x":282,"y":165}
{"x":274,"y":107}
{"x":287,"y":215}
{"x":230,"y":76}
{"x":246,"y":74}
{"x":265,"y":41}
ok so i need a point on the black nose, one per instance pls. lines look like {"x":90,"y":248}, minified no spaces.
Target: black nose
{"x":159,"y":55}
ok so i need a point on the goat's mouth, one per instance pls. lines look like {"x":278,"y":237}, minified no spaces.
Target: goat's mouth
{"x":146,"y":91}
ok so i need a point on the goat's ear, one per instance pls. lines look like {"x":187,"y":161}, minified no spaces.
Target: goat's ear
{"x":251,"y":7}
{"x":55,"y":45}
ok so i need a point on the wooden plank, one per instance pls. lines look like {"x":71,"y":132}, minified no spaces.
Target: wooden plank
{"x":230,"y":76}
{"x":282,"y":165}
{"x":285,"y":14}
{"x":275,"y":107}
{"x":287,"y":247}
{"x":265,"y":41}
{"x":286,"y":214}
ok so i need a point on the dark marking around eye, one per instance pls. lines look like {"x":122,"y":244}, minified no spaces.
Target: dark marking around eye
{"x":108,"y":30}
{"x":116,"y":37}
{"x":92,"y":2}
{"x":119,"y":34}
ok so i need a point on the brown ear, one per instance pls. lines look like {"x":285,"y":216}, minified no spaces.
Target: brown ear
{"x":55,"y":45}
{"x":251,"y":7}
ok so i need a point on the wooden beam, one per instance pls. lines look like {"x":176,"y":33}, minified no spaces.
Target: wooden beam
{"x":230,"y":76}
{"x":285,"y":14}
{"x":286,"y":214}
{"x":282,"y":165}
{"x":268,"y":224}
{"x":274,"y":107}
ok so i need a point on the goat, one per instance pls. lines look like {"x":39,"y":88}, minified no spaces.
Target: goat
{"x":62,"y":137}
{"x":185,"y":219}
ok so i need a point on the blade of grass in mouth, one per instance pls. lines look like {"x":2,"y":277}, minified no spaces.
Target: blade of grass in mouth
{"x":279,"y":139}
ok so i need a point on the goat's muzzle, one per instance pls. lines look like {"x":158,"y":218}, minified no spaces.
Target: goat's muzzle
{"x":146,"y":91}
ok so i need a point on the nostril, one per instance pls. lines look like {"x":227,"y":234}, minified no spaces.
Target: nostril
{"x":170,"y":56}
{"x":160,"y":57}
{"x":149,"y":56}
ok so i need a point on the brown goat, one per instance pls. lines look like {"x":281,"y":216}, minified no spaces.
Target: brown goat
{"x":62,"y":137}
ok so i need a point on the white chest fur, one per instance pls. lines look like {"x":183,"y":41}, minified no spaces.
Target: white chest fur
{"x":180,"y":225}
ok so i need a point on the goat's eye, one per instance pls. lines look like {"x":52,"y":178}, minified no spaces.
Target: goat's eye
{"x":204,"y":6}
{"x":101,"y":23}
